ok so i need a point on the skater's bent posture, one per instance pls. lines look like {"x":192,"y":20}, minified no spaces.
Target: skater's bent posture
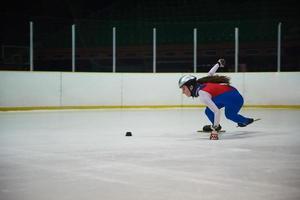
{"x":215,"y":92}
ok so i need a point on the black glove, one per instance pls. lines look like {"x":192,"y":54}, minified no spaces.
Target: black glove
{"x":221,"y":62}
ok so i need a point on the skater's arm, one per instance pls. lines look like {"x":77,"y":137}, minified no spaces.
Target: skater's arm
{"x":220,"y":63}
{"x":213,"y":70}
{"x":206,"y":99}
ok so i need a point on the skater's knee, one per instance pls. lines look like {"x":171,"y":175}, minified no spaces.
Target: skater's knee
{"x":229,"y":114}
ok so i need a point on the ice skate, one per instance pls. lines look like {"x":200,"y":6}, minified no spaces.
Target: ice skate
{"x":208,"y":128}
{"x":250,"y":121}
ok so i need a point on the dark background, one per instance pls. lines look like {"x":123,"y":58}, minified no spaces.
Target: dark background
{"x":154,"y":9}
{"x":134,"y":20}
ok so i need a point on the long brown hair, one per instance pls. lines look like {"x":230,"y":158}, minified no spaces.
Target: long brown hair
{"x":214,"y":79}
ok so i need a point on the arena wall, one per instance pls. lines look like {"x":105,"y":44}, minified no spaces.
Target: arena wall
{"x":57,"y":90}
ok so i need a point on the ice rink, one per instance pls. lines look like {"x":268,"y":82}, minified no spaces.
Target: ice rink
{"x":84,"y":154}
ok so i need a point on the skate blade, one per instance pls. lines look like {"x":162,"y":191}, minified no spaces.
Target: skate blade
{"x":251,"y":123}
{"x":201,"y":131}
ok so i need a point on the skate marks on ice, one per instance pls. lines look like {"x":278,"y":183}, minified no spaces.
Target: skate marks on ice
{"x":232,"y":135}
{"x":240,"y":135}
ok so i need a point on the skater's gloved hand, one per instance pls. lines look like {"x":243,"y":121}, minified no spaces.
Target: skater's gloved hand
{"x":221,"y":62}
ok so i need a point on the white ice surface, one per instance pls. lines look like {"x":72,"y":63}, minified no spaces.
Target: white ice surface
{"x":84,"y":155}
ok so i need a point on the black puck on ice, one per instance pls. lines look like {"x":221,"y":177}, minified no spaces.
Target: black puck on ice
{"x":128,"y":134}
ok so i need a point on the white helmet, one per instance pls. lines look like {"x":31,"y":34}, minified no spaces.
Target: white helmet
{"x":186,"y":79}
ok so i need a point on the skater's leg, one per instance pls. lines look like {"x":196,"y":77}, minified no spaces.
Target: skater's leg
{"x":231,"y":112}
{"x":210,"y":115}
{"x":233,"y":103}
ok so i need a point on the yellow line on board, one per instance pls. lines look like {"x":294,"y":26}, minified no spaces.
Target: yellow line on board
{"x":135,"y":107}
{"x":273,"y":106}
